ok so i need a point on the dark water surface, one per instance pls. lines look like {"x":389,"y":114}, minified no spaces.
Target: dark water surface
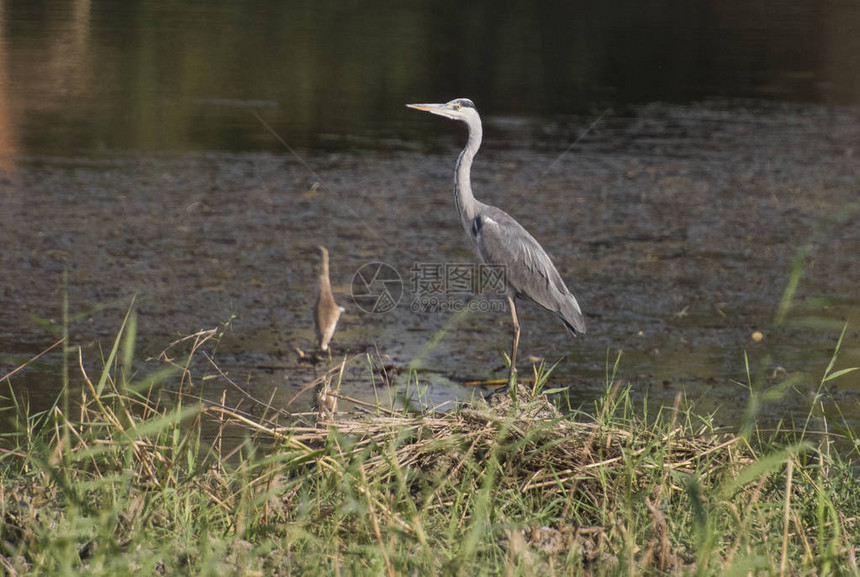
{"x":133,"y":155}
{"x":152,"y":75}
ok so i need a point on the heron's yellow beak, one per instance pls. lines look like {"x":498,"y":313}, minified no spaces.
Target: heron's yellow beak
{"x":440,"y":109}
{"x":424,"y":107}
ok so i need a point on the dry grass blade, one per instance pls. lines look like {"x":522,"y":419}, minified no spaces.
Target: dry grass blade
{"x":21,"y":367}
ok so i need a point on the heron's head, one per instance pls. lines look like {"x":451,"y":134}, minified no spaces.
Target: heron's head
{"x":458,"y":109}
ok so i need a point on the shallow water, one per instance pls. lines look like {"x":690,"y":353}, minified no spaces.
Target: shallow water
{"x":193,"y":156}
{"x":675,"y":226}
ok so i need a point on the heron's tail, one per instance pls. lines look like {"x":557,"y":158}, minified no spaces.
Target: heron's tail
{"x":571,"y":315}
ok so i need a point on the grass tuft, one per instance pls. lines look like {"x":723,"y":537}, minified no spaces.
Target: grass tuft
{"x":140,"y":477}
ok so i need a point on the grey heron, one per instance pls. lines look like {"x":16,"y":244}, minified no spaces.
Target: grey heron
{"x":500,"y":240}
{"x":326,"y":311}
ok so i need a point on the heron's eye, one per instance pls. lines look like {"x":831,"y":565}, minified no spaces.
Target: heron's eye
{"x":457,"y":107}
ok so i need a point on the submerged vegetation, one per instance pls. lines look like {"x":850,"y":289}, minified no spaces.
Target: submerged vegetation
{"x":138,"y":476}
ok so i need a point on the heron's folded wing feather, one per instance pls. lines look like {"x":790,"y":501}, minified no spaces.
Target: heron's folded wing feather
{"x":529,"y":272}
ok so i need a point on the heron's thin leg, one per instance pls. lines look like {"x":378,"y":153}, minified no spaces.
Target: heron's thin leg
{"x":512,"y":374}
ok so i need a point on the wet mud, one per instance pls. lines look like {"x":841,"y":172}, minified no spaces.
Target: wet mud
{"x":677,"y":228}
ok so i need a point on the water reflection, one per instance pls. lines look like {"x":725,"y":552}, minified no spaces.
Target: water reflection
{"x":149,"y":75}
{"x":8,"y":138}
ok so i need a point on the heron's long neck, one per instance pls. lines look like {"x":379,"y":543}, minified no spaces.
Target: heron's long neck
{"x":467,"y":206}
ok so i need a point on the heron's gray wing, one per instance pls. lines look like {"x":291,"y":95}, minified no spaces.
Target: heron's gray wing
{"x":529,"y":272}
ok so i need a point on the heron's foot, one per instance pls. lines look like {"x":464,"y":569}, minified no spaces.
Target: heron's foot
{"x":495,"y":393}
{"x":511,"y":385}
